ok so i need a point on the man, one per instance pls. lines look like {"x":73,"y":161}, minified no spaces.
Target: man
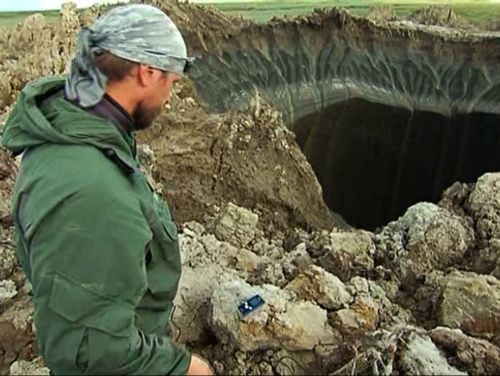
{"x":99,"y":248}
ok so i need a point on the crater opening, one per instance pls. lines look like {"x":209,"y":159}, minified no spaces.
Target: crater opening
{"x":374,"y":160}
{"x":388,"y":115}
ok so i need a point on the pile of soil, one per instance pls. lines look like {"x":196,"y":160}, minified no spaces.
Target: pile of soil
{"x":249,"y":157}
{"x":439,"y":15}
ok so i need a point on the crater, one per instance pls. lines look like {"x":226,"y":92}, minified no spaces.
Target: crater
{"x":387,"y":114}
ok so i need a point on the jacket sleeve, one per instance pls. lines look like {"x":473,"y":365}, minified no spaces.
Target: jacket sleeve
{"x":88,"y":272}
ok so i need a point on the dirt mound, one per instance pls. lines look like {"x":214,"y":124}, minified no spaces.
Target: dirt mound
{"x":248,"y":157}
{"x":35,"y":49}
{"x":199,"y":22}
{"x":439,"y":15}
{"x":382,"y":13}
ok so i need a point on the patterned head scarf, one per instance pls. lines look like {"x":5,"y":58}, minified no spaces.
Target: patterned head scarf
{"x":139,"y":33}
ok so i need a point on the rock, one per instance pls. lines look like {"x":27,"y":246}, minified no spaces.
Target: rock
{"x":454,"y":198}
{"x":33,"y":368}
{"x":300,"y":257}
{"x":236,"y":225}
{"x":358,"y":285}
{"x":271,"y":273}
{"x":206,"y":263}
{"x":290,"y":271}
{"x":477,"y":356}
{"x":471,"y":302}
{"x":8,"y":291}
{"x":193,"y":229}
{"x":348,"y":254}
{"x":263,"y":247}
{"x":357,"y":320}
{"x":147,"y":163}
{"x":5,"y":96}
{"x":280,"y":323}
{"x":487,"y":261}
{"x":303,"y":326}
{"x":248,"y":261}
{"x":422,"y":357}
{"x":389,"y":314}
{"x":317,"y":285}
{"x":193,"y":300}
{"x":19,"y":315}
{"x":484,"y":205}
{"x":16,"y":333}
{"x":204,"y":249}
{"x":8,"y":261}
{"x":294,"y":363}
{"x":423,"y":302}
{"x":426,"y":238}
{"x":4,"y":116}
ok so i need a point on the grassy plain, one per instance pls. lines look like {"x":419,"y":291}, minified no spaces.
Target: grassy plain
{"x":263,"y":10}
{"x":13,"y":18}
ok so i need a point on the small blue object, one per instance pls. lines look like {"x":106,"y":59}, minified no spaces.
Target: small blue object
{"x":251,"y":305}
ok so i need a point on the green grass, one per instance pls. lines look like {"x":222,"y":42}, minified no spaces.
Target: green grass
{"x":10,"y":19}
{"x":264,"y":10}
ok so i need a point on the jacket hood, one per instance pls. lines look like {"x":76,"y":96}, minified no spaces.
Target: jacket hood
{"x":43,"y":116}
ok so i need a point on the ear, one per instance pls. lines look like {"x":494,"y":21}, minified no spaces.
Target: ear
{"x":145,"y":75}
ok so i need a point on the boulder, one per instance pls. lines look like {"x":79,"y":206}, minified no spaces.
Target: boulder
{"x":33,"y":368}
{"x":8,"y":259}
{"x":8,"y":291}
{"x":317,"y":285}
{"x":471,"y":302}
{"x":359,"y":319}
{"x":280,"y":323}
{"x":236,"y":225}
{"x":425,"y":238}
{"x":348,"y":253}
{"x":388,"y":313}
{"x":477,"y":356}
{"x":484,"y":206}
{"x":422,"y":357}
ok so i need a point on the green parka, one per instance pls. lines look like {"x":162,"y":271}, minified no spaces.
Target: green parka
{"x":98,"y":246}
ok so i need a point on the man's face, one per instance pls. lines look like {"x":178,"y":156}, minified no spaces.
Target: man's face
{"x":156,"y":96}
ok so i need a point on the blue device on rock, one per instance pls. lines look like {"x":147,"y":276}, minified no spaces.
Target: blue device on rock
{"x":250,"y":305}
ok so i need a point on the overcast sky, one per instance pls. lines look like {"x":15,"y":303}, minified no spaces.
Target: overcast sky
{"x":8,"y":5}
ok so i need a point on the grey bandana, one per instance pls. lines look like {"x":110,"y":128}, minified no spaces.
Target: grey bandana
{"x":139,"y":33}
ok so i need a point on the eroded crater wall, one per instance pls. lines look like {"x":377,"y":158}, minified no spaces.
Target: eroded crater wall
{"x":304,"y":66}
{"x":387,"y":114}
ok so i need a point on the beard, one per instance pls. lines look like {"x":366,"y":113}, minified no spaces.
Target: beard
{"x":144,"y":115}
